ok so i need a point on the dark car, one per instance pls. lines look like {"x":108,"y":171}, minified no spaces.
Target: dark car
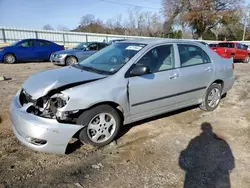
{"x":116,"y":40}
{"x":29,"y":50}
{"x":213,"y":46}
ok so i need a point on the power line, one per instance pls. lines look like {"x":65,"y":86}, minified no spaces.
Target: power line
{"x":127,"y":4}
{"x":152,"y":1}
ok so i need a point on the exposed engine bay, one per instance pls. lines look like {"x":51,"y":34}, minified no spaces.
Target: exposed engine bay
{"x":47,"y":106}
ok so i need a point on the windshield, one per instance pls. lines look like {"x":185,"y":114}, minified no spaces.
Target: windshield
{"x":110,"y":59}
{"x":14,"y":43}
{"x":81,"y":46}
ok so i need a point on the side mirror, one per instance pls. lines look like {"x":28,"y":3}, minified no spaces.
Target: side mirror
{"x":139,"y":70}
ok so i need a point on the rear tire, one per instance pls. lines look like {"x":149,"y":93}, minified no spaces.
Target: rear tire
{"x":9,"y":58}
{"x":212,"y":98}
{"x":102,"y":124}
{"x":70,"y":60}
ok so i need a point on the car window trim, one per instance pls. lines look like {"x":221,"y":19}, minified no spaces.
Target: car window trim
{"x":28,"y":40}
{"x":47,"y":43}
{"x":127,"y":74}
{"x":169,"y":96}
{"x":203,"y":51}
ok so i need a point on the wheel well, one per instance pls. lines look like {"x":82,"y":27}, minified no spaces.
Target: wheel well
{"x":219,"y":82}
{"x":9,"y":53}
{"x":113,"y":105}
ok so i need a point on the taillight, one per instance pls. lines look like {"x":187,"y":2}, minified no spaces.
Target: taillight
{"x":62,"y":47}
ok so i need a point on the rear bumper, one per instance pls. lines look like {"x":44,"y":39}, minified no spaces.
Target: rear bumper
{"x":27,"y":126}
{"x":228,"y":85}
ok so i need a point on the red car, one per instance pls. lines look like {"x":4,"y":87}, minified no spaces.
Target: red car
{"x":235,"y":50}
{"x":213,"y":46}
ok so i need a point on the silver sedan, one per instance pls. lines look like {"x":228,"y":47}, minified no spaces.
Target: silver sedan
{"x":120,"y":84}
{"x":76,"y":54}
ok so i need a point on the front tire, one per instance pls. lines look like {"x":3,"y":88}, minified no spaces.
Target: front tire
{"x":102,"y":124}
{"x":212,"y":98}
{"x":70,"y":60}
{"x":9,"y":58}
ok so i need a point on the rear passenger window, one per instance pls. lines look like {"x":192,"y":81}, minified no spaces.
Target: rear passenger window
{"x":93,"y":46}
{"x":43,"y":43}
{"x":192,"y":55}
{"x":158,"y":59}
{"x":102,"y":45}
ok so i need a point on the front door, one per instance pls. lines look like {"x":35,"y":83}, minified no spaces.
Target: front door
{"x":155,"y":92}
{"x":91,"y":49}
{"x":26,"y":50}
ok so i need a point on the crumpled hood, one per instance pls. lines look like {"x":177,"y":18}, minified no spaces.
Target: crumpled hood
{"x":41,"y":83}
{"x":68,"y":51}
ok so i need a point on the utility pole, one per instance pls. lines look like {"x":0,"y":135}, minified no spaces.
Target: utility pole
{"x":245,"y":26}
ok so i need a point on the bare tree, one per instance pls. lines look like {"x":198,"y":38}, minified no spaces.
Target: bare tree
{"x":173,"y":9}
{"x":47,"y":27}
{"x":87,"y":20}
{"x":62,"y":28}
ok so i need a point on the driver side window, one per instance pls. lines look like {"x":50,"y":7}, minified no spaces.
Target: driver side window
{"x":160,"y":58}
{"x":27,"y":43}
{"x":93,"y":47}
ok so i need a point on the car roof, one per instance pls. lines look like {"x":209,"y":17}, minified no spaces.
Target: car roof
{"x":159,"y":41}
{"x":229,"y":42}
{"x":35,"y":39}
{"x":92,"y":42}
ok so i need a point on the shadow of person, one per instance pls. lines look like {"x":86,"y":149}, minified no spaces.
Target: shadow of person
{"x":207,"y":161}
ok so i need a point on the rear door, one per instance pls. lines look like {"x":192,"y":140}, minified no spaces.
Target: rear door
{"x":196,"y":72}
{"x":26,"y":50}
{"x":43,"y":49}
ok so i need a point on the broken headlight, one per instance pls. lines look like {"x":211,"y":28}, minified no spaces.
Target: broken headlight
{"x":48,"y":106}
{"x":57,"y":101}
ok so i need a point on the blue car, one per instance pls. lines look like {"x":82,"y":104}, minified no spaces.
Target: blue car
{"x":29,"y":50}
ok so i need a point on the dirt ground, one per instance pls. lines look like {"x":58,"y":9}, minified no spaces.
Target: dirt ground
{"x":164,"y":151}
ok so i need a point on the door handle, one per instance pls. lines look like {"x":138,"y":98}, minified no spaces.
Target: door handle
{"x":174,"y":76}
{"x":209,"y":69}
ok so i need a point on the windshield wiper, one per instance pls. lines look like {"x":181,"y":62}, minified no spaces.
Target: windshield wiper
{"x":92,"y":69}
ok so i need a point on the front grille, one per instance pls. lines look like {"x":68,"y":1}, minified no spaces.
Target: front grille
{"x":25,"y":98}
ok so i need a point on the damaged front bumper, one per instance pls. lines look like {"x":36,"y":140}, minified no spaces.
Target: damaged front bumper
{"x":38,"y":133}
